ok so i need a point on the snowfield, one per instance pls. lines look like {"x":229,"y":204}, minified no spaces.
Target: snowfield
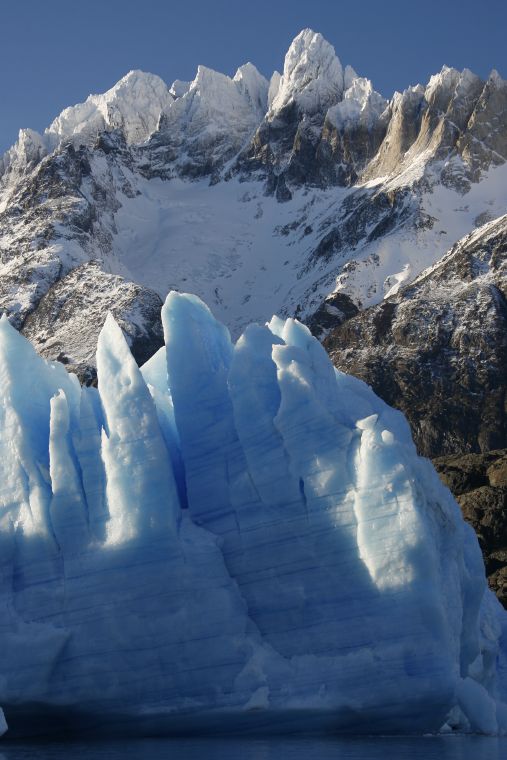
{"x":250,"y":257}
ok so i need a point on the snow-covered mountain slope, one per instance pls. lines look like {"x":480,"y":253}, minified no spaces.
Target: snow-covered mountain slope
{"x":310,"y":195}
{"x":233,"y":538}
{"x":437,"y":349}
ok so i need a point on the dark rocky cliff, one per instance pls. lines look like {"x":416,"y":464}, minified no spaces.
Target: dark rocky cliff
{"x":479,"y":483}
{"x":437,"y":350}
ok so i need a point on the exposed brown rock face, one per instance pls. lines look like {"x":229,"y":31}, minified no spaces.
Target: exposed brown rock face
{"x":438,"y":349}
{"x":479,"y":483}
{"x":457,"y":115}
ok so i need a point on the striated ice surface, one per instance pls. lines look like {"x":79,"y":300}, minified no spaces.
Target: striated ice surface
{"x":233,"y":537}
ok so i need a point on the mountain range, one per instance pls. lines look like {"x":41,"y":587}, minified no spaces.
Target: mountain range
{"x":377,"y":222}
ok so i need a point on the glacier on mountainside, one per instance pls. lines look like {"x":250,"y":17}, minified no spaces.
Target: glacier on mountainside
{"x":233,"y":537}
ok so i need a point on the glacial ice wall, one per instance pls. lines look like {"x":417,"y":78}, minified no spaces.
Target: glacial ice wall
{"x":231,"y":537}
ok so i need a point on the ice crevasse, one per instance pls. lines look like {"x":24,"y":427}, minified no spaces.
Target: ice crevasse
{"x":233,"y":537}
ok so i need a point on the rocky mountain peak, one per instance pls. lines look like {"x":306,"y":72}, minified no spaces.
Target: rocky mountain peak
{"x":274,"y":86}
{"x":179,"y":88}
{"x":29,"y":149}
{"x":360,"y":105}
{"x":452,"y":92}
{"x":207,"y":123}
{"x":495,"y":80}
{"x":484,"y":143}
{"x":349,"y":75}
{"x":406,"y":110}
{"x":313,"y":76}
{"x":133,"y":105}
{"x":225,"y":96}
{"x":254,"y":87}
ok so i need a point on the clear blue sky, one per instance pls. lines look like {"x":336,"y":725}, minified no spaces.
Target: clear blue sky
{"x":53,"y":53}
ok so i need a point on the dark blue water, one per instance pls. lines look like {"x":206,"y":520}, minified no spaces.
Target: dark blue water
{"x":422,"y":748}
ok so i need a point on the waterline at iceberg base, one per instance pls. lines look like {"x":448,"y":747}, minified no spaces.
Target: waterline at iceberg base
{"x":233,"y":538}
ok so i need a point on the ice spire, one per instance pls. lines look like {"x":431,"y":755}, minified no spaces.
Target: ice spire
{"x":141,"y":491}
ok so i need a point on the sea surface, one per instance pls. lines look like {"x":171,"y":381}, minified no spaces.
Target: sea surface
{"x":301,"y":748}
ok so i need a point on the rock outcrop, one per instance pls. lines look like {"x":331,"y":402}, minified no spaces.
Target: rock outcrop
{"x":479,"y":483}
{"x":437,"y":349}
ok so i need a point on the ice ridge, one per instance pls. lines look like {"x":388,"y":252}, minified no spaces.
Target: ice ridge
{"x":233,"y":536}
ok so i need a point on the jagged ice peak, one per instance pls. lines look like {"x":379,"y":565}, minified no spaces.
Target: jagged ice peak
{"x":250,"y":489}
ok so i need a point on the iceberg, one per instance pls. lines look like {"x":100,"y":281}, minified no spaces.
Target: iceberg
{"x":233,"y":537}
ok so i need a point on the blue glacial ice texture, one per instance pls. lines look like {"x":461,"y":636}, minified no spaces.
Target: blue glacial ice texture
{"x":233,"y":537}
